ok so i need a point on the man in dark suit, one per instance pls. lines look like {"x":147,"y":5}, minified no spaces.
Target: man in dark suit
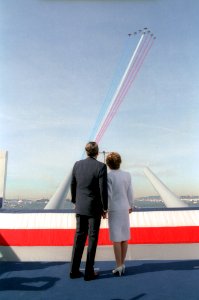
{"x":89,"y":194}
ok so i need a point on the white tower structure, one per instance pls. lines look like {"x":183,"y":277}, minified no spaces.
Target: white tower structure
{"x":57,"y":200}
{"x":169,"y":198}
{"x":3,"y":173}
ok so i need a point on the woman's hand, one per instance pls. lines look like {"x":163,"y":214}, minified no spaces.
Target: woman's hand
{"x":104,"y":214}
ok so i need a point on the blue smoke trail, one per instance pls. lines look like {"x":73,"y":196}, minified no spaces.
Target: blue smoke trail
{"x":123,"y":61}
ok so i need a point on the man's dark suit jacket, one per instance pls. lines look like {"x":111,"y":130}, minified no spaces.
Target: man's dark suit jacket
{"x":89,"y":187}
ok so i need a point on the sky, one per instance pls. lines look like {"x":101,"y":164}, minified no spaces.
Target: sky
{"x":57,"y":62}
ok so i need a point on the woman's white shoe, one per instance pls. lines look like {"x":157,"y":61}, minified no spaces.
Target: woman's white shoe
{"x":118,"y":270}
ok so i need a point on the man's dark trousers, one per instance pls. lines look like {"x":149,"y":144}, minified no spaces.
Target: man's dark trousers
{"x":86,"y":226}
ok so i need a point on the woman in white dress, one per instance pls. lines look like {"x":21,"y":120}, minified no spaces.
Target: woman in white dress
{"x":120,"y":204}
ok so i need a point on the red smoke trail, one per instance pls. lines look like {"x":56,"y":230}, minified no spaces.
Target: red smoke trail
{"x":136,"y":65}
{"x":116,"y":104}
{"x":119,"y":98}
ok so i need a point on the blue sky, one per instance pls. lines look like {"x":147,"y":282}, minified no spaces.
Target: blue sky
{"x":58,"y":59}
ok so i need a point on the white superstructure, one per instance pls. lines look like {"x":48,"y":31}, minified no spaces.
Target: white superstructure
{"x":3,"y":171}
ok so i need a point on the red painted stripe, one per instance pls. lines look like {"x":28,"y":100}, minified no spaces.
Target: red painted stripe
{"x":164,"y":235}
{"x":37,"y":237}
{"x":65,"y":237}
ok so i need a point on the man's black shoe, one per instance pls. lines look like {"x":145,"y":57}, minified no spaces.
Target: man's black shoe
{"x":91,"y":277}
{"x":76,"y":275}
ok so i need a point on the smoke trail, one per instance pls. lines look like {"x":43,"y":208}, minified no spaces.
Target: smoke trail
{"x":133,"y":71}
{"x":118,"y":97}
{"x":123,"y":61}
{"x":121,"y":82}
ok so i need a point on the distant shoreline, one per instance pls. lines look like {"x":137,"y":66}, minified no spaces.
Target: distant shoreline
{"x":142,"y":202}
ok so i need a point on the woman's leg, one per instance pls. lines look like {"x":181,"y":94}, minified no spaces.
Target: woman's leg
{"x":118,"y":253}
{"x":124,"y":247}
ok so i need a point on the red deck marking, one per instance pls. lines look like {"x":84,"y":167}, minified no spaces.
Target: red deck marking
{"x":65,"y":237}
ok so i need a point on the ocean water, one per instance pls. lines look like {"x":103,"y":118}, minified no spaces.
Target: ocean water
{"x":146,"y":202}
{"x":31,"y":204}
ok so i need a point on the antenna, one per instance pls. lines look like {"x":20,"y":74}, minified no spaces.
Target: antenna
{"x":104,"y":154}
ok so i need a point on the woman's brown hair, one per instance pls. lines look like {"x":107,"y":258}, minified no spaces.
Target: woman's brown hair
{"x":113,"y":160}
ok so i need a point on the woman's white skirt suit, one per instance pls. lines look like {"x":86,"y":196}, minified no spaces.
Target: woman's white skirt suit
{"x":120,"y":200}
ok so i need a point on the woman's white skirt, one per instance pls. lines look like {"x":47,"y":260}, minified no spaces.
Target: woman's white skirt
{"x":119,"y":225}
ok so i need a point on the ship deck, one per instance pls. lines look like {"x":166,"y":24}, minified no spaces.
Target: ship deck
{"x":143,"y":279}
